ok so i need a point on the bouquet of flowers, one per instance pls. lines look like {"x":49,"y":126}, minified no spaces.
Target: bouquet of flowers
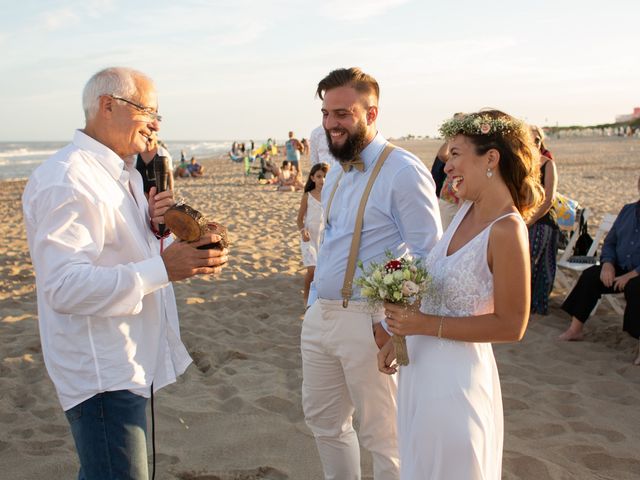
{"x":398,"y":280}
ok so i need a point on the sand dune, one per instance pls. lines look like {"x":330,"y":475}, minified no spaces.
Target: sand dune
{"x":571,"y":410}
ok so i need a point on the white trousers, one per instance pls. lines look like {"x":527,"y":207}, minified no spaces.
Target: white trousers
{"x":340,"y":377}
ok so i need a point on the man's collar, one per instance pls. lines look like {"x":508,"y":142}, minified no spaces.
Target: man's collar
{"x":103,"y":154}
{"x":371,"y":152}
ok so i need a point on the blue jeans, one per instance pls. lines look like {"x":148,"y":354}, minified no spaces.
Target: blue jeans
{"x":110,"y":431}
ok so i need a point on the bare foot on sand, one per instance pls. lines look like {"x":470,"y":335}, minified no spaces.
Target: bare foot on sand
{"x":573,"y":333}
{"x":570,"y":336}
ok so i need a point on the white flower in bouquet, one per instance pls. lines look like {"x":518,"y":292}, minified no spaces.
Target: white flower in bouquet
{"x":409,"y":288}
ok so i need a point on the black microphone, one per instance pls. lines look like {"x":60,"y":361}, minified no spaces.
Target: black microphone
{"x":161,"y":172}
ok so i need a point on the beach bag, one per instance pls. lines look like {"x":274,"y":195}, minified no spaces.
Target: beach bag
{"x":583,"y":244}
{"x":566,"y":210}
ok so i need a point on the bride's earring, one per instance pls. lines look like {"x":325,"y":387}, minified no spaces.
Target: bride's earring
{"x":489,"y":173}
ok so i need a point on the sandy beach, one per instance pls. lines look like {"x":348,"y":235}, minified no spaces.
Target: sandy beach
{"x":571,"y":410}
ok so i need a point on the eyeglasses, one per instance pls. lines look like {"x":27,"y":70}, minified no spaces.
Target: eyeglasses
{"x":148,"y":111}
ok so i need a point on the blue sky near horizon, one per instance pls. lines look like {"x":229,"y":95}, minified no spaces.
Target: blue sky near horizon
{"x":248,"y":69}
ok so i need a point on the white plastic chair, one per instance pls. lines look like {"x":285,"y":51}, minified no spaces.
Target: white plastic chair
{"x":565,"y":263}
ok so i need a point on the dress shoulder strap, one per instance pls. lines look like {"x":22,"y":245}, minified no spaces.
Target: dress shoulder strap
{"x":510,"y":214}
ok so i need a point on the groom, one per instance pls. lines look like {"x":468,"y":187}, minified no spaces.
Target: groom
{"x":339,"y":344}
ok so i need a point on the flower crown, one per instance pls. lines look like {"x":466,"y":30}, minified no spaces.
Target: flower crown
{"x":479,"y":124}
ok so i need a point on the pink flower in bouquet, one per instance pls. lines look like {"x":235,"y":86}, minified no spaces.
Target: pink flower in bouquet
{"x":393,"y":265}
{"x":409,"y":288}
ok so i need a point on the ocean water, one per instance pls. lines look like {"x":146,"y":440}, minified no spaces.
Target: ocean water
{"x":19,"y":159}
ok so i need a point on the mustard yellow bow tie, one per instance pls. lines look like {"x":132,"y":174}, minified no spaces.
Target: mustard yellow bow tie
{"x":356,"y":163}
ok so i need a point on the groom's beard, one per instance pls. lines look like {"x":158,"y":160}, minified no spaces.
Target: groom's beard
{"x":353,"y":145}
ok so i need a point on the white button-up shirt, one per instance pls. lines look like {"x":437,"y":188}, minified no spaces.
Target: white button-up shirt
{"x":107,"y":313}
{"x":401,"y":216}
{"x":319,"y":148}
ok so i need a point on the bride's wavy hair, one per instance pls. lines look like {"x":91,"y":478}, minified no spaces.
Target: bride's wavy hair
{"x":519,"y":163}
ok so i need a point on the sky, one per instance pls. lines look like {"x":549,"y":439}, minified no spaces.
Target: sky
{"x":248,"y":69}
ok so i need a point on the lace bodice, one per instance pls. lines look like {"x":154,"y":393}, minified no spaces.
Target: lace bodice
{"x":462,"y":284}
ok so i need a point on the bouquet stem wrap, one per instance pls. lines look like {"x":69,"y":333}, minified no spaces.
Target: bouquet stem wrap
{"x":400,"y":346}
{"x":400,"y":342}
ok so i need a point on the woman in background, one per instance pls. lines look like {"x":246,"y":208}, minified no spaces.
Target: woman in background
{"x":543,"y":231}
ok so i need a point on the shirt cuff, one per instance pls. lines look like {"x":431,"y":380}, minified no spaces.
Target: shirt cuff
{"x":152,"y":274}
{"x":313,"y":295}
{"x":383,"y":322}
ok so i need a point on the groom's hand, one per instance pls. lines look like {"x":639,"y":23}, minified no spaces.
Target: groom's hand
{"x":386,"y":356}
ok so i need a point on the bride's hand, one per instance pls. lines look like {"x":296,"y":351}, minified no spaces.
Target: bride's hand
{"x":404,"y":320}
{"x":386,"y":356}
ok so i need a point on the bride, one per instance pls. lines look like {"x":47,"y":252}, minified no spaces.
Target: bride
{"x":450,"y":420}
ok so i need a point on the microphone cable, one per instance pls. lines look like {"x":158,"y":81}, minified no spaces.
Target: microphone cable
{"x":153,"y":416}
{"x":153,"y":437}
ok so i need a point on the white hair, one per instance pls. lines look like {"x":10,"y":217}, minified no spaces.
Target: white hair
{"x":120,"y":81}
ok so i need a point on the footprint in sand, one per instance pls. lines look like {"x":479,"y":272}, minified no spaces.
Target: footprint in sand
{"x":524,"y":466}
{"x":570,"y":411}
{"x":42,"y":448}
{"x":55,"y":430}
{"x":604,"y":389}
{"x":260,"y":473}
{"x":602,"y":462}
{"x":540,"y":431}
{"x":283,"y":406}
{"x":610,"y":435}
{"x":512,"y":404}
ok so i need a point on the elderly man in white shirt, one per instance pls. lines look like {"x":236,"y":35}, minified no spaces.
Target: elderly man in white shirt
{"x":341,"y":338}
{"x":107,"y":313}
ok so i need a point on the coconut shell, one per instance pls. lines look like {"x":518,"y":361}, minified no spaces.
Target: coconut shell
{"x":218,"y":229}
{"x":185,"y":222}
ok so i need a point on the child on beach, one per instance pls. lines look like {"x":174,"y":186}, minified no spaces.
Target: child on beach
{"x":311,"y":222}
{"x":289,"y":178}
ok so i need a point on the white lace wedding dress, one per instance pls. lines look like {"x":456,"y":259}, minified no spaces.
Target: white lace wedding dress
{"x":450,"y":420}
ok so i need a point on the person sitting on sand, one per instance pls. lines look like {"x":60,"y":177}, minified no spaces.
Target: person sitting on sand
{"x":289,"y":178}
{"x":285,"y":171}
{"x":195,"y":169}
{"x":618,"y":271}
{"x":271,"y":175}
{"x":182,"y":170}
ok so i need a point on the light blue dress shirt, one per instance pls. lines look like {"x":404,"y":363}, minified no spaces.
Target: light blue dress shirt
{"x":402,"y":216}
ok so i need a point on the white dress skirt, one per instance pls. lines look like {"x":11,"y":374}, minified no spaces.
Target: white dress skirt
{"x":314,"y":223}
{"x":450,"y":420}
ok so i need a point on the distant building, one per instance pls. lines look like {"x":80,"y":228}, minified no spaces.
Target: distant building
{"x":628,"y":116}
